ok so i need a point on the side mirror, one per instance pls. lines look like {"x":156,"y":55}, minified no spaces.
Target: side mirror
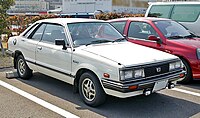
{"x":61,"y":42}
{"x":154,"y":38}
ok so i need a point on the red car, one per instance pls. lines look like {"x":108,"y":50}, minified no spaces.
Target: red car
{"x":165,"y":35}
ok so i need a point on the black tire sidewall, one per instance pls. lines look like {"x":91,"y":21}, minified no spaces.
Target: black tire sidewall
{"x":100,"y":94}
{"x":28,"y":72}
{"x":188,"y":76}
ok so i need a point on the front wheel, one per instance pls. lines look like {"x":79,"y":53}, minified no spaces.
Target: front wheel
{"x":188,"y":76}
{"x":90,"y":90}
{"x":23,"y":70}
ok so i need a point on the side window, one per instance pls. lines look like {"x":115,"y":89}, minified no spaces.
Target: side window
{"x":30,"y":30}
{"x":38,"y":33}
{"x":160,"y":11}
{"x":141,"y":30}
{"x":182,"y":15}
{"x":53,"y":32}
{"x":119,"y":26}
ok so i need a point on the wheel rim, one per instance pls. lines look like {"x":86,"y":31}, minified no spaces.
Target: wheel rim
{"x":21,"y":66}
{"x":186,"y":70}
{"x":88,"y":89}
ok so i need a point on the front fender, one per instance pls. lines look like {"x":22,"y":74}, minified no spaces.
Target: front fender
{"x":87,"y":66}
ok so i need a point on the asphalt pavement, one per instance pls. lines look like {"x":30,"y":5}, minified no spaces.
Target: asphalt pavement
{"x":58,"y":96}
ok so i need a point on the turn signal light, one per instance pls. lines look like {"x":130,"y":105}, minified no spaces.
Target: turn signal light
{"x":182,"y":75}
{"x":106,"y":75}
{"x":133,"y":87}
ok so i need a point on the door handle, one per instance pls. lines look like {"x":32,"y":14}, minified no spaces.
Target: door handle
{"x":39,"y":48}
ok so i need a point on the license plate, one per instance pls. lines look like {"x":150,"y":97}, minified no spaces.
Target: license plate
{"x":160,"y":85}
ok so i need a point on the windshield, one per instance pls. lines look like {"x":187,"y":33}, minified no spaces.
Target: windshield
{"x":171,"y":29}
{"x":92,"y":33}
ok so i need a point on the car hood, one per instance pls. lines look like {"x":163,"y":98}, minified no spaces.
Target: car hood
{"x":195,"y":42}
{"x":127,"y":53}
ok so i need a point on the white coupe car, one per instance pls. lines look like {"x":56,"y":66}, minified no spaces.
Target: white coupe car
{"x":94,"y":57}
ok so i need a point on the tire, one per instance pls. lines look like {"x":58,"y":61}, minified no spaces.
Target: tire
{"x":188,"y":78}
{"x":90,"y":90}
{"x":23,"y":70}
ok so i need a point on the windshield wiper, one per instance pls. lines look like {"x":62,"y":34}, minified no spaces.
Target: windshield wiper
{"x":188,"y":36}
{"x":119,"y":39}
{"x":191,"y":36}
{"x":175,"y":37}
{"x":98,"y":41}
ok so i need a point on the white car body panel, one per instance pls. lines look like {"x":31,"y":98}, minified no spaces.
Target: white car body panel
{"x":122,"y":53}
{"x":111,"y":58}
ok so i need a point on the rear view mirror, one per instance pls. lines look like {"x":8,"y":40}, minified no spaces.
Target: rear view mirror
{"x":154,"y":38}
{"x":61,"y":42}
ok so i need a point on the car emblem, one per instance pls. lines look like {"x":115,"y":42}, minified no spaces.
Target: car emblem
{"x":158,"y":69}
{"x":14,"y":41}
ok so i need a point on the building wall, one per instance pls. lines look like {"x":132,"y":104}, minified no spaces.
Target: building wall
{"x":23,"y":6}
{"x":77,"y":6}
{"x":54,"y":4}
{"x":130,"y":6}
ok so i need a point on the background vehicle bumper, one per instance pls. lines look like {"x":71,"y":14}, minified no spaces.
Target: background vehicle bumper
{"x":195,"y":66}
{"x":10,"y":53}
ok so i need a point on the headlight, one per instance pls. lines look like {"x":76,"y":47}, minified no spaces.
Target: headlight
{"x":131,"y":74}
{"x":198,"y":53}
{"x":139,"y":73}
{"x":175,"y":65}
{"x":126,"y":74}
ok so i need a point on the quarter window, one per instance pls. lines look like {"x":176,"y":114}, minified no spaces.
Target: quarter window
{"x":141,"y":30}
{"x":119,"y":26}
{"x":30,"y":30}
{"x":38,"y":33}
{"x":185,"y":13}
{"x":160,"y":11}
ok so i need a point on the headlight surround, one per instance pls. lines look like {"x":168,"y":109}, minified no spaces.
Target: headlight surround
{"x":131,"y":74}
{"x":198,"y":53}
{"x":139,"y":73}
{"x":175,"y":65}
{"x":126,"y":74}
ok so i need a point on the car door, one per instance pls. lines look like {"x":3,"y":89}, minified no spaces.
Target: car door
{"x":29,"y":42}
{"x":139,"y":32}
{"x":52,"y":59}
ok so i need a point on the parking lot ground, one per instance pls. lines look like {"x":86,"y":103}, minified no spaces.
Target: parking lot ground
{"x":165,"y":104}
{"x":14,"y":105}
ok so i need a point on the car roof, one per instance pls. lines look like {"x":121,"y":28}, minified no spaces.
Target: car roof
{"x":139,"y":19}
{"x":64,"y":21}
{"x":172,"y":3}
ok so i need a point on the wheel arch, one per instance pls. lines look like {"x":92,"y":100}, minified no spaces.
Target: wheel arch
{"x":78,"y":75}
{"x":187,"y":61}
{"x":17,"y":53}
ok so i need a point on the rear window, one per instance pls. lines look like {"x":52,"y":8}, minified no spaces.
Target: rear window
{"x":185,"y":13}
{"x":160,"y":11}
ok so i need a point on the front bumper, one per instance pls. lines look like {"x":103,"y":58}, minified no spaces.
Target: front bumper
{"x":195,"y":66}
{"x":125,"y":89}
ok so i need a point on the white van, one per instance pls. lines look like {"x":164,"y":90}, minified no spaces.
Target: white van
{"x":186,"y":13}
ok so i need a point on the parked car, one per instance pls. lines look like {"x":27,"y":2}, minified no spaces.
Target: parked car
{"x":186,"y":13}
{"x":94,"y":57}
{"x":165,"y":35}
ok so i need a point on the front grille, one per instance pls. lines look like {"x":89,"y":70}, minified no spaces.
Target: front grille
{"x":153,"y":71}
{"x":156,"y":70}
